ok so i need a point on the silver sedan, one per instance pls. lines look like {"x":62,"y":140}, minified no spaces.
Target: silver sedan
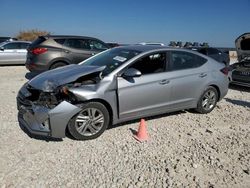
{"x":118,"y":85}
{"x":13,"y":52}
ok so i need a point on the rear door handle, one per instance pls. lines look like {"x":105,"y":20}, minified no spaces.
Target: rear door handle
{"x":93,"y":53}
{"x":202,"y":75}
{"x":163,"y":82}
{"x":66,"y":51}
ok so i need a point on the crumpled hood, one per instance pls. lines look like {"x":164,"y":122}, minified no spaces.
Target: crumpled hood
{"x":242,"y":44}
{"x":50,"y":80}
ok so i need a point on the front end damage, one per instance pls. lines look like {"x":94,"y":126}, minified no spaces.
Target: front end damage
{"x":47,"y":110}
{"x":44,"y":116}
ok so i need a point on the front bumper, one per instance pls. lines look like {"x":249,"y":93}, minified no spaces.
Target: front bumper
{"x":40,"y":120}
{"x":240,"y":78}
{"x":36,"y":67}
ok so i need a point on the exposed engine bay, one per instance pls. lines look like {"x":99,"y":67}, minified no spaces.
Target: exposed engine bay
{"x":61,"y":93}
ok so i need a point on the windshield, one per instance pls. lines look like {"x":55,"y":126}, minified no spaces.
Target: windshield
{"x":111,"y":59}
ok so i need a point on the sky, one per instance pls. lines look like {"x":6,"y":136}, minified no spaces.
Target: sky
{"x":218,"y":22}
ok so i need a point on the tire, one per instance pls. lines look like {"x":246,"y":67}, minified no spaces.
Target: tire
{"x":57,"y":65}
{"x":207,"y":101}
{"x":83,"y":126}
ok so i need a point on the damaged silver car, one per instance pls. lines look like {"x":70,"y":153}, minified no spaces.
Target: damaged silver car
{"x":118,"y":85}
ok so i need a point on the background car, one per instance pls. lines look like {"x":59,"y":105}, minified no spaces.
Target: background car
{"x":214,"y":53}
{"x":52,"y":51}
{"x":152,"y":43}
{"x":118,"y":85}
{"x":13,"y":52}
{"x":112,"y":44}
{"x":5,"y":39}
{"x":240,"y":72}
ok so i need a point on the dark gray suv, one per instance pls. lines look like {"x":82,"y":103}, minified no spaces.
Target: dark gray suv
{"x":53,"y":51}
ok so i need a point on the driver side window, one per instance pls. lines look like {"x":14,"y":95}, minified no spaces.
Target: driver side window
{"x":154,"y":63}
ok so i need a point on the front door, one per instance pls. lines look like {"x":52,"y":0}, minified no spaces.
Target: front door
{"x":148,"y":94}
{"x":9,"y":54}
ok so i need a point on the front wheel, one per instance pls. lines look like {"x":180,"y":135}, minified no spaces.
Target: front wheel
{"x":90,"y":122}
{"x":207,"y":101}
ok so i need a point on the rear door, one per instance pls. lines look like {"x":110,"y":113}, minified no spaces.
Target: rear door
{"x":188,"y":76}
{"x":77,"y":49}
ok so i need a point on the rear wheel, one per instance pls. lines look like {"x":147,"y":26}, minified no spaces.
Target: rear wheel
{"x":90,"y":122}
{"x":57,"y":65}
{"x":207,"y":101}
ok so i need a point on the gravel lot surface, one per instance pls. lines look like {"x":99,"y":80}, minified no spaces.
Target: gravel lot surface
{"x":185,"y":150}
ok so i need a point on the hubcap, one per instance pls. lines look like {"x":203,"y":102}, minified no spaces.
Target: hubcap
{"x":209,"y":100}
{"x":89,"y":121}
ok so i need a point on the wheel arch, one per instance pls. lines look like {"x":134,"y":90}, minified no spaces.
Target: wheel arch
{"x":57,"y":61}
{"x":107,"y":105}
{"x":217,"y":89}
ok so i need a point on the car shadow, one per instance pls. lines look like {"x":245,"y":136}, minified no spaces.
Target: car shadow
{"x":30,"y":75}
{"x":147,"y":118}
{"x":239,"y":88}
{"x":238,"y":102}
{"x":37,"y":137}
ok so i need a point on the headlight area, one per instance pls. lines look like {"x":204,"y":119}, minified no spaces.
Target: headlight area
{"x":51,"y":99}
{"x":46,"y":113}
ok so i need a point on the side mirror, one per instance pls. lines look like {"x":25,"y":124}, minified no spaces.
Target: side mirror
{"x":132,"y":72}
{"x":1,"y":48}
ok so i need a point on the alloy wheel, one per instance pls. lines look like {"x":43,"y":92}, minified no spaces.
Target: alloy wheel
{"x":209,"y":100}
{"x":89,"y":121}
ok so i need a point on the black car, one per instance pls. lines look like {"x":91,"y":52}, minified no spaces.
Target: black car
{"x":240,"y":71}
{"x":214,"y":53}
{"x":53,"y":51}
{"x":4,"y":39}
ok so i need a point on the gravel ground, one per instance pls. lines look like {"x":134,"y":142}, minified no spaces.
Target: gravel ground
{"x":185,"y":150}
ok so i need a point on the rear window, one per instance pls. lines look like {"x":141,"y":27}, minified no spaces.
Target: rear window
{"x":245,"y":44}
{"x":185,"y":60}
{"x":24,"y":45}
{"x":38,"y":41}
{"x":60,"y":41}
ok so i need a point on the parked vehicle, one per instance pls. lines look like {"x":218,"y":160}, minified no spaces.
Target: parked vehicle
{"x":152,"y":43}
{"x":214,"y":53}
{"x":13,"y":52}
{"x":112,"y":44}
{"x":240,"y":72}
{"x":53,"y":51}
{"x":5,"y":39}
{"x":118,"y":85}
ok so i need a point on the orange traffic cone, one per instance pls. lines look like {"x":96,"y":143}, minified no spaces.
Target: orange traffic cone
{"x":142,"y":132}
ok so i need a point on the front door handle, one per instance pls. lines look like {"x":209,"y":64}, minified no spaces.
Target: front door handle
{"x":202,"y":75}
{"x":66,"y":51}
{"x":163,"y":82}
{"x":93,"y":53}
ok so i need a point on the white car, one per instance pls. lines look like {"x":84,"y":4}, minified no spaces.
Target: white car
{"x":13,"y":52}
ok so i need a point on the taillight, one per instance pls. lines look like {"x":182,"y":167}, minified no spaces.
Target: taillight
{"x":225,"y":70}
{"x":38,"y":51}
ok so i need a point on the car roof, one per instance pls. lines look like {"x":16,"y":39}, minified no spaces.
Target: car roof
{"x":68,"y":36}
{"x":144,"y":48}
